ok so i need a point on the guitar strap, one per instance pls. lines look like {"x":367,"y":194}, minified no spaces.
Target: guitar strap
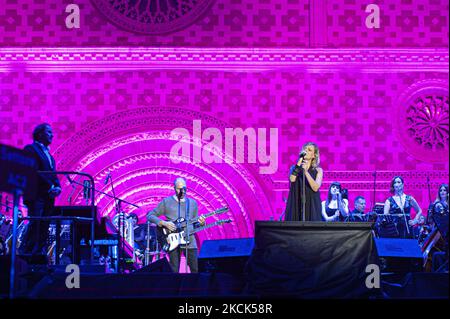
{"x":187,"y":211}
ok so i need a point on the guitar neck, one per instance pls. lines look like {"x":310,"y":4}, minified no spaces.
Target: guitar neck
{"x":214,"y":212}
{"x":209,"y":215}
{"x":203,"y":227}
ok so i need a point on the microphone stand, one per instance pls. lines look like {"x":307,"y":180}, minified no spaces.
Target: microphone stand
{"x":349,"y":217}
{"x":302,"y":155}
{"x":120,"y":226}
{"x":187,"y":234}
{"x":147,"y":248}
{"x":431,"y":205}
{"x":12,"y":272}
{"x":374,"y":189}
{"x":429,"y":191}
{"x":179,"y":215}
{"x":303,"y":194}
{"x":404,"y":216}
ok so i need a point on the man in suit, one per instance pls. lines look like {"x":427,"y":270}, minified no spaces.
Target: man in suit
{"x":48,"y":188}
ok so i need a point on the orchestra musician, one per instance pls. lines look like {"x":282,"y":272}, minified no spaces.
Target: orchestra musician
{"x":434,"y":239}
{"x":357,"y":214}
{"x":400,"y":205}
{"x":335,"y":207}
{"x":440,"y":205}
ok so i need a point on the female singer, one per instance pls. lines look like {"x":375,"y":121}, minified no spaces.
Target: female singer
{"x":335,"y":208}
{"x":400,"y":204}
{"x":307,"y":170}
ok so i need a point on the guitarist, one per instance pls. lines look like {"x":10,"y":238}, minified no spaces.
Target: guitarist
{"x":168,"y":207}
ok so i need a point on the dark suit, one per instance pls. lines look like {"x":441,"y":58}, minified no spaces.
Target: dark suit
{"x":42,"y":205}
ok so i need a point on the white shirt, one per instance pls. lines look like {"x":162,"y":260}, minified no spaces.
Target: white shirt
{"x":46,"y":150}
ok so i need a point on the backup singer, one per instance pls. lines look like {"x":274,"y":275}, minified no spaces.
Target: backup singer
{"x":400,"y":204}
{"x":48,"y":189}
{"x":307,"y":166}
{"x":168,"y":207}
{"x":335,"y":208}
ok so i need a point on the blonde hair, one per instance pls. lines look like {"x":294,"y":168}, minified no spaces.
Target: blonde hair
{"x":316,"y":160}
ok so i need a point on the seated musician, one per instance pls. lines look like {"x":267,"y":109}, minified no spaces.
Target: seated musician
{"x":168,"y":207}
{"x":439,"y":209}
{"x":357,"y":214}
{"x":440,"y":205}
{"x":335,"y":207}
{"x":400,"y":205}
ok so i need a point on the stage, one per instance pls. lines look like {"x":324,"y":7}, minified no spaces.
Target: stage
{"x":295,"y":260}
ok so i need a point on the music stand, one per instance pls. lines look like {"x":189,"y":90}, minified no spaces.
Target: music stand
{"x":387,"y":228}
{"x":76,"y":215}
{"x":441,"y":222}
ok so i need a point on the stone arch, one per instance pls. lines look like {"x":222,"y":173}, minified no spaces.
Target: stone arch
{"x":134,"y":145}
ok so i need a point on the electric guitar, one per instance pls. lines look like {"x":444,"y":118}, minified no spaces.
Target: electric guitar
{"x":173,"y":240}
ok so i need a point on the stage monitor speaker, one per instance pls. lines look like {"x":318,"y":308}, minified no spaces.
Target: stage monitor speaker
{"x":399,"y":255}
{"x":161,"y":265}
{"x":311,"y":260}
{"x":225,"y":255}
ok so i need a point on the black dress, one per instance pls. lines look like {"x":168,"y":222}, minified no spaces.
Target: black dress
{"x":313,"y":204}
{"x":401,"y":221}
{"x":331,"y":211}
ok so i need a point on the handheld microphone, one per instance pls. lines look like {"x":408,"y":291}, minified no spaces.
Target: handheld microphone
{"x":301,"y":156}
{"x":108,"y":176}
